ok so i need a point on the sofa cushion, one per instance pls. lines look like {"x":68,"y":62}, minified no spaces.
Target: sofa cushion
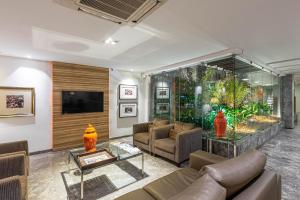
{"x":204,"y":188}
{"x":172,"y":184}
{"x":166,"y":144}
{"x":187,"y":126}
{"x":236,"y":173}
{"x":160,"y":122}
{"x":141,"y":137}
{"x":181,"y":126}
{"x":172,"y":134}
{"x":136,"y":195}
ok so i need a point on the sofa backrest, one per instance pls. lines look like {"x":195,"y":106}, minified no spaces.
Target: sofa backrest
{"x":236,"y":173}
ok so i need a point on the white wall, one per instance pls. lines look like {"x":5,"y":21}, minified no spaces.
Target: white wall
{"x":17,"y":72}
{"x":123,"y":126}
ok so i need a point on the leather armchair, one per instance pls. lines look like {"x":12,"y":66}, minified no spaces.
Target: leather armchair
{"x":178,"y":149}
{"x":14,"y":162}
{"x":142,"y":133}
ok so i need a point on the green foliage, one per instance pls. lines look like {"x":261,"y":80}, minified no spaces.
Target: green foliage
{"x":231,"y":92}
{"x":233,"y":116}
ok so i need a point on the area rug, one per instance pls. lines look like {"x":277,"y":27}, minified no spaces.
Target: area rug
{"x":100,"y":186}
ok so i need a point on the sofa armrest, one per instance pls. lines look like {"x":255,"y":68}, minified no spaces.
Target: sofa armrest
{"x":10,"y":188}
{"x":199,"y":159}
{"x":162,"y":132}
{"x":187,"y":142}
{"x":12,"y":147}
{"x":141,"y":127}
{"x":13,"y":165}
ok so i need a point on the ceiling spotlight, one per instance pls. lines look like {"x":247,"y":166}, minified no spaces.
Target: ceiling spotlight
{"x":131,"y":70}
{"x":245,"y":79}
{"x":111,"y":41}
{"x":28,"y":56}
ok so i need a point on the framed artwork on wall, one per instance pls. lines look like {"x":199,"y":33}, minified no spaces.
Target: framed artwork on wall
{"x":128,"y":92}
{"x":127,"y":110}
{"x":162,"y":108}
{"x":17,"y":102}
{"x":162,"y":93}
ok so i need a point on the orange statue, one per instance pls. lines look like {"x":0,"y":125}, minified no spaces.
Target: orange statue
{"x":90,"y":139}
{"x":220,"y":124}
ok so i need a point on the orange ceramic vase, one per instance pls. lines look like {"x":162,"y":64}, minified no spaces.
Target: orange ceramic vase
{"x":220,"y":124}
{"x":90,"y":139}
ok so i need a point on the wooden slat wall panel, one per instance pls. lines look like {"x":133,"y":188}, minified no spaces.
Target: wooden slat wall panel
{"x":68,"y":129}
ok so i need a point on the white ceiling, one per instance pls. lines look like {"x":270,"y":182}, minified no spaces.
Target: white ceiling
{"x":268,"y":31}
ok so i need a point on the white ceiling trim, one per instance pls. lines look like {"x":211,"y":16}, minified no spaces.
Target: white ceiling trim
{"x":196,"y":61}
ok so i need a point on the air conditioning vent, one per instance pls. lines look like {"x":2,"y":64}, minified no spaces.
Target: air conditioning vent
{"x":119,"y":11}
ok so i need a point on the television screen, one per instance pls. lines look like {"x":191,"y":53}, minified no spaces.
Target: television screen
{"x":81,"y":102}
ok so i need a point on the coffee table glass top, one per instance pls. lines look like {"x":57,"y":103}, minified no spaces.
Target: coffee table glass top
{"x":96,"y":182}
{"x":121,"y":150}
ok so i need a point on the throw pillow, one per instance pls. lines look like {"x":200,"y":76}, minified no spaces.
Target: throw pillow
{"x":172,"y":134}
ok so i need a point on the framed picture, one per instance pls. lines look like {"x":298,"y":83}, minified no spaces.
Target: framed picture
{"x":162,"y":108}
{"x":127,"y":110}
{"x":162,"y":93}
{"x":15,"y":101}
{"x":127,"y":92}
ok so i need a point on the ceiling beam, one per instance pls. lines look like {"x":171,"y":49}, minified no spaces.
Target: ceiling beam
{"x":283,"y":61}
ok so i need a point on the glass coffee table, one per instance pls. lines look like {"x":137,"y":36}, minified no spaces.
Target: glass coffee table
{"x":120,"y":150}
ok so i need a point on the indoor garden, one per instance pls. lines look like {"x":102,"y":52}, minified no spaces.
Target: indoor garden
{"x":248,"y":96}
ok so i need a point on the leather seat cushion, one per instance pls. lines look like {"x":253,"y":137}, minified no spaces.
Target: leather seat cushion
{"x":136,"y":195}
{"x":236,"y":173}
{"x":166,"y":144}
{"x":141,"y":137}
{"x":204,"y":188}
{"x":172,"y":184}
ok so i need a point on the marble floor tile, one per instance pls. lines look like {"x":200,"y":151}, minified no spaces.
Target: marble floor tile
{"x":283,"y":152}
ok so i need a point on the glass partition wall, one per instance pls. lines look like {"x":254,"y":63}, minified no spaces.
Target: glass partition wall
{"x":248,"y":96}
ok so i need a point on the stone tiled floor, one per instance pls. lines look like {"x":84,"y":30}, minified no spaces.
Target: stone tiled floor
{"x":283,"y":151}
{"x":45,"y":180}
{"x":283,"y":154}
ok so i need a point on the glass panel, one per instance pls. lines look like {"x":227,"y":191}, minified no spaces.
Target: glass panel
{"x":246,"y":95}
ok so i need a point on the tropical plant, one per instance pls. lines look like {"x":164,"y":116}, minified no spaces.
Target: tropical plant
{"x":231,"y":92}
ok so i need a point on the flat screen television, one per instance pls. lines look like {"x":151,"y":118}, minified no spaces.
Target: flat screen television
{"x":81,"y":102}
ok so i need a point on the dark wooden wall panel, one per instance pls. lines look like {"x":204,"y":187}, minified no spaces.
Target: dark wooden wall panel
{"x":68,"y":129}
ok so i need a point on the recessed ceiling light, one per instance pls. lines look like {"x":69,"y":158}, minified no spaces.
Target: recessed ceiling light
{"x":28,"y":56}
{"x":111,"y":41}
{"x":131,"y":70}
{"x":245,"y":79}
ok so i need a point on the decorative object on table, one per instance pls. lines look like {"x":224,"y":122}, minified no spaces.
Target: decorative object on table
{"x":162,"y":93}
{"x":220,"y":124}
{"x":90,"y":139}
{"x":162,"y":108}
{"x":127,"y":92}
{"x":17,"y":101}
{"x":127,"y":110}
{"x":94,"y":159}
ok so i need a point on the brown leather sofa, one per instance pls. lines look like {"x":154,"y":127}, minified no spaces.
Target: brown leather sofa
{"x":176,"y":141}
{"x":14,"y":167}
{"x":241,"y":178}
{"x":142,"y":133}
